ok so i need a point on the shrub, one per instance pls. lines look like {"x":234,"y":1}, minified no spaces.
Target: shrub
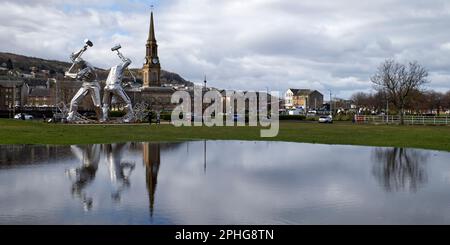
{"x":116,"y":113}
{"x":343,"y":117}
{"x":166,"y":117}
{"x":292,"y":117}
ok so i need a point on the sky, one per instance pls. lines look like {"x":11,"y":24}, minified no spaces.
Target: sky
{"x":326,"y":45}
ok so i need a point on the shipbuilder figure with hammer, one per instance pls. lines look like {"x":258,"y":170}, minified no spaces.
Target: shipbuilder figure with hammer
{"x":115,"y":89}
{"x":88,"y":76}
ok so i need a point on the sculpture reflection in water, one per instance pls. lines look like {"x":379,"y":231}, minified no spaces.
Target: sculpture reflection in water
{"x":152,"y":161}
{"x":399,"y":169}
{"x":84,"y":175}
{"x":119,"y":171}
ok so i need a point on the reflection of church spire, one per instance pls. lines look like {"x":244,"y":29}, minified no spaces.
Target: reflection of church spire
{"x":152,"y":160}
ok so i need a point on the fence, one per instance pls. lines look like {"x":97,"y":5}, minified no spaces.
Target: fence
{"x":409,"y":120}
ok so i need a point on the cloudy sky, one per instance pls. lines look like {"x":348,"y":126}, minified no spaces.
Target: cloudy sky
{"x":250,"y":45}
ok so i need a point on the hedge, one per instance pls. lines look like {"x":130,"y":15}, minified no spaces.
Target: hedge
{"x":292,"y":117}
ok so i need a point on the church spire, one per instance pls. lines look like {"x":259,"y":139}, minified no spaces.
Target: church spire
{"x":152,"y":68}
{"x":151,"y":36}
{"x":152,"y":46}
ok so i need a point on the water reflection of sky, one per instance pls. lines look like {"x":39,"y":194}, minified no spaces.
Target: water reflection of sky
{"x":241,"y":183}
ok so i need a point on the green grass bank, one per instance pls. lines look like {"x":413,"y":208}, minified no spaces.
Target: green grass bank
{"x":32,"y":132}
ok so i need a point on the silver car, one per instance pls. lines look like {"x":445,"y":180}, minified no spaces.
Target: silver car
{"x":326,"y":119}
{"x":26,"y":116}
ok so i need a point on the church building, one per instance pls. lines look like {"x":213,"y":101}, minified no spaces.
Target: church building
{"x":152,"y":93}
{"x":151,"y":71}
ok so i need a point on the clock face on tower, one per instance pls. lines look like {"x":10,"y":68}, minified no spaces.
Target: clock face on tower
{"x":155,"y":61}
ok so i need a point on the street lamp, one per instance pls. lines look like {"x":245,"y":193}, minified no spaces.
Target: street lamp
{"x":56,"y":97}
{"x":387,"y":107}
{"x":331,"y":103}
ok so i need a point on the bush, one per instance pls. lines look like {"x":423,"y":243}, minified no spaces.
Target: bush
{"x":292,"y":117}
{"x":166,"y":117}
{"x":116,"y":113}
{"x":343,"y":117}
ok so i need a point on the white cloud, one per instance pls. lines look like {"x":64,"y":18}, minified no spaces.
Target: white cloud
{"x":243,"y":44}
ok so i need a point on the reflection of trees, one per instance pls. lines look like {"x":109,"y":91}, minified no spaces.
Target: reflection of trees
{"x":400,"y":169}
{"x":152,"y":160}
{"x":13,"y":156}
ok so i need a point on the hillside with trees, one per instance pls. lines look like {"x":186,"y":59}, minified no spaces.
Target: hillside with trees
{"x":24,"y":64}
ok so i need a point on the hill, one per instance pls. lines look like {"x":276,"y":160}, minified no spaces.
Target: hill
{"x":24,"y":64}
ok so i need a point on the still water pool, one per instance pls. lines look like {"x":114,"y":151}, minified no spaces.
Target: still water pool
{"x":223,"y":182}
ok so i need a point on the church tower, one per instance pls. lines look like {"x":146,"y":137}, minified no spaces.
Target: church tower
{"x":152,"y":68}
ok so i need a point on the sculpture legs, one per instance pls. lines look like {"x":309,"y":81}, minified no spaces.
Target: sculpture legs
{"x":88,"y":88}
{"x":82,"y":92}
{"x":106,"y":103}
{"x":119,"y":92}
{"x":95,"y":95}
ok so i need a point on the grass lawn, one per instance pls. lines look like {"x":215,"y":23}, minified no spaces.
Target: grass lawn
{"x":426,"y":137}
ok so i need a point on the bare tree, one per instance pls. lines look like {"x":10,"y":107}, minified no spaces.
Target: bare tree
{"x":400,"y":169}
{"x":398,"y":80}
{"x":418,"y":102}
{"x":435,"y":101}
{"x":361,"y":99}
{"x":447,"y":100}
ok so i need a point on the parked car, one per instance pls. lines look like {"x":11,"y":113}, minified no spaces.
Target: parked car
{"x":25,"y":116}
{"x":326,"y":119}
{"x":296,"y":112}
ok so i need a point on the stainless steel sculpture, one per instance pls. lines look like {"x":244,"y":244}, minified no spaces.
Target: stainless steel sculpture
{"x":88,"y":75}
{"x":114,"y":87}
{"x":141,"y":111}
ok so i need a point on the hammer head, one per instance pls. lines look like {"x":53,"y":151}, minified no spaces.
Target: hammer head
{"x":117,"y":47}
{"x":88,"y":43}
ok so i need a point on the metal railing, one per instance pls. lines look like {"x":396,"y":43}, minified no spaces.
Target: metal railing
{"x":408,"y":120}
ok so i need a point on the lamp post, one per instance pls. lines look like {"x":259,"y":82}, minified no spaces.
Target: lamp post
{"x":331,"y":103}
{"x":56,"y":96}
{"x":387,"y":108}
{"x":14,"y":100}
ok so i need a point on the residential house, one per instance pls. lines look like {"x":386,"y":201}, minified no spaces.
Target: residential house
{"x":303,"y":98}
{"x":13,"y":93}
{"x":40,"y":97}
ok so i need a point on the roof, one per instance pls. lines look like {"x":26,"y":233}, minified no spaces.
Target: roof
{"x":303,"y":92}
{"x":40,"y":92}
{"x":299,"y":92}
{"x":10,"y":83}
{"x":36,"y":82}
{"x":158,"y":89}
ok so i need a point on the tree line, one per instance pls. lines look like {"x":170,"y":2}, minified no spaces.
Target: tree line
{"x":399,"y":88}
{"x":422,"y":102}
